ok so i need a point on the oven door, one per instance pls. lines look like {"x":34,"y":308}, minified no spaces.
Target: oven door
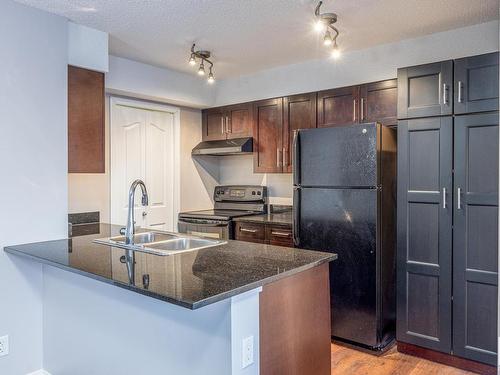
{"x":205,"y":228}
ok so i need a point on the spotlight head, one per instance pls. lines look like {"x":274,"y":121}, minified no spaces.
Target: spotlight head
{"x":327,"y":39}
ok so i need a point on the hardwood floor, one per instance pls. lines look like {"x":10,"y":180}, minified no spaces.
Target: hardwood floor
{"x":347,"y":361}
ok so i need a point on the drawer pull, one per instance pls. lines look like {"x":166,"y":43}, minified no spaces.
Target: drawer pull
{"x":248,"y":230}
{"x":281,"y":234}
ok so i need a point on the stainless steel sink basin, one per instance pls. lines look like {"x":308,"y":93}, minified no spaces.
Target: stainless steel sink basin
{"x":183,"y":244}
{"x":146,"y":237}
{"x":161,"y":243}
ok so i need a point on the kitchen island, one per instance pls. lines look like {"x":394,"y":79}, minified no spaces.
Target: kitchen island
{"x":219,"y":299}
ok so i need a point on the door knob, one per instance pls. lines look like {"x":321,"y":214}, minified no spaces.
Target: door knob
{"x":144,"y":214}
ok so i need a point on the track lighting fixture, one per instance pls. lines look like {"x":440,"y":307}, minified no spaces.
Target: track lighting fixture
{"x":327,"y":39}
{"x":204,"y":56}
{"x":192,"y":60}
{"x":324,"y":22}
{"x":211,"y":78}
{"x":335,"y":51}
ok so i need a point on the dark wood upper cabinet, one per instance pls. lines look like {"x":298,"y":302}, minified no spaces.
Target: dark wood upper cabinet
{"x":425,"y":90}
{"x":268,"y":136}
{"x":233,"y":121}
{"x":338,"y":107}
{"x":213,"y":124}
{"x":476,"y":84}
{"x":239,"y":120}
{"x":299,"y":112}
{"x":85,"y":121}
{"x":379,"y":102}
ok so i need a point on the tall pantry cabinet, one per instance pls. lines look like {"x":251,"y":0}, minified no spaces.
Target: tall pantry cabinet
{"x":448,"y":207}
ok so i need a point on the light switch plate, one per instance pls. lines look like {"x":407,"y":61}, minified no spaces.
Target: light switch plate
{"x":247,"y":352}
{"x":4,"y":345}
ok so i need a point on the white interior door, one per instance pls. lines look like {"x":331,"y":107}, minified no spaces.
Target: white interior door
{"x":142,"y":147}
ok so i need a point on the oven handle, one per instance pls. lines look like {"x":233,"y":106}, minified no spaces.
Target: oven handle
{"x":187,"y":221}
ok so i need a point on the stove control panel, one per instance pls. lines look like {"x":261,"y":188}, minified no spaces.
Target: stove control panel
{"x":243,"y":193}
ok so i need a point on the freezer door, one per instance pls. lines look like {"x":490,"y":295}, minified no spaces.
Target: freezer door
{"x":344,"y":221}
{"x":338,"y":157}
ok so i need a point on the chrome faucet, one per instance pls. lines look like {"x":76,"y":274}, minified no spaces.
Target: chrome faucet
{"x":129,"y":231}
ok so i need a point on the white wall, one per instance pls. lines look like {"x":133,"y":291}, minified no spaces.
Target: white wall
{"x":130,"y":78}
{"x":357,"y":67}
{"x":87,"y":48}
{"x":33,"y":161}
{"x":121,"y":332}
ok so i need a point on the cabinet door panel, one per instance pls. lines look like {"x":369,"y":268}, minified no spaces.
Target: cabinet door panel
{"x":239,"y":120}
{"x":379,"y":102}
{"x":85,"y":121}
{"x":475,"y":245}
{"x":425,"y":232}
{"x":250,"y":232}
{"x":425,"y":90}
{"x":268,"y":136}
{"x":213,"y":124}
{"x":299,"y":112}
{"x":338,"y":107}
{"x":279,"y":235}
{"x":476,"y":84}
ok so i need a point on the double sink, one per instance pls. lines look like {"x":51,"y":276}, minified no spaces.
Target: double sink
{"x":160,"y":243}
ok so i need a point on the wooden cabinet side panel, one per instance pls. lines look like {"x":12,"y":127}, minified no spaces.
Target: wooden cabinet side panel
{"x":85,"y":121}
{"x":295,"y":324}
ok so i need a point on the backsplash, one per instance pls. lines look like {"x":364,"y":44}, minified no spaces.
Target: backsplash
{"x":238,"y":170}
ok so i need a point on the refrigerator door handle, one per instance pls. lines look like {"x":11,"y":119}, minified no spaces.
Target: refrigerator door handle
{"x":296,"y":158}
{"x":296,"y":216}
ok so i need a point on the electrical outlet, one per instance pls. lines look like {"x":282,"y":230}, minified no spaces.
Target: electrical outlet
{"x":4,"y":345}
{"x":247,"y":352}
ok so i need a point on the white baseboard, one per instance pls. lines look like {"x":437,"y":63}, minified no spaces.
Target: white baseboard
{"x":39,"y":372}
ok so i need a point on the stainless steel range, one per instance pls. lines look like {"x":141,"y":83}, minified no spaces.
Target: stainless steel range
{"x":230,"y":202}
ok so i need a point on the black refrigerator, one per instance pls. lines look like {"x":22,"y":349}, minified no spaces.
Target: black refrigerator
{"x":345,"y":202}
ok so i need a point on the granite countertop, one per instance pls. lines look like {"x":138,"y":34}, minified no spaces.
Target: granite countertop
{"x":278,"y":218}
{"x":192,"y":279}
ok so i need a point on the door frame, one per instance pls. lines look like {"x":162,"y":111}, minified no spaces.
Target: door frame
{"x":152,"y":106}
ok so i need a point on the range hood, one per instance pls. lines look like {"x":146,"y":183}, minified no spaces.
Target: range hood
{"x":238,"y":146}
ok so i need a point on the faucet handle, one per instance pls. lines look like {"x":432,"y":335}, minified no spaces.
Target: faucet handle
{"x":123,"y":231}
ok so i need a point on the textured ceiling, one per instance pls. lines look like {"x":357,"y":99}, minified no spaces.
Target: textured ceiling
{"x":251,"y":35}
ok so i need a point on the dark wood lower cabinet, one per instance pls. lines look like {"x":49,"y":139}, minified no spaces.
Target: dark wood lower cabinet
{"x":295,"y":324}
{"x":249,"y":232}
{"x":279,"y":235}
{"x":273,"y":234}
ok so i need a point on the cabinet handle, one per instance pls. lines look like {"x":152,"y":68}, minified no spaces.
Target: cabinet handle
{"x":278,"y":158}
{"x":354,"y":111}
{"x":222,"y":129}
{"x":285,"y":159}
{"x":460,"y":87}
{"x":280,"y":234}
{"x":229,"y":126}
{"x":459,"y":200}
{"x":444,"y":197}
{"x":363,"y":109}
{"x":248,"y":230}
{"x":445,"y":93}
